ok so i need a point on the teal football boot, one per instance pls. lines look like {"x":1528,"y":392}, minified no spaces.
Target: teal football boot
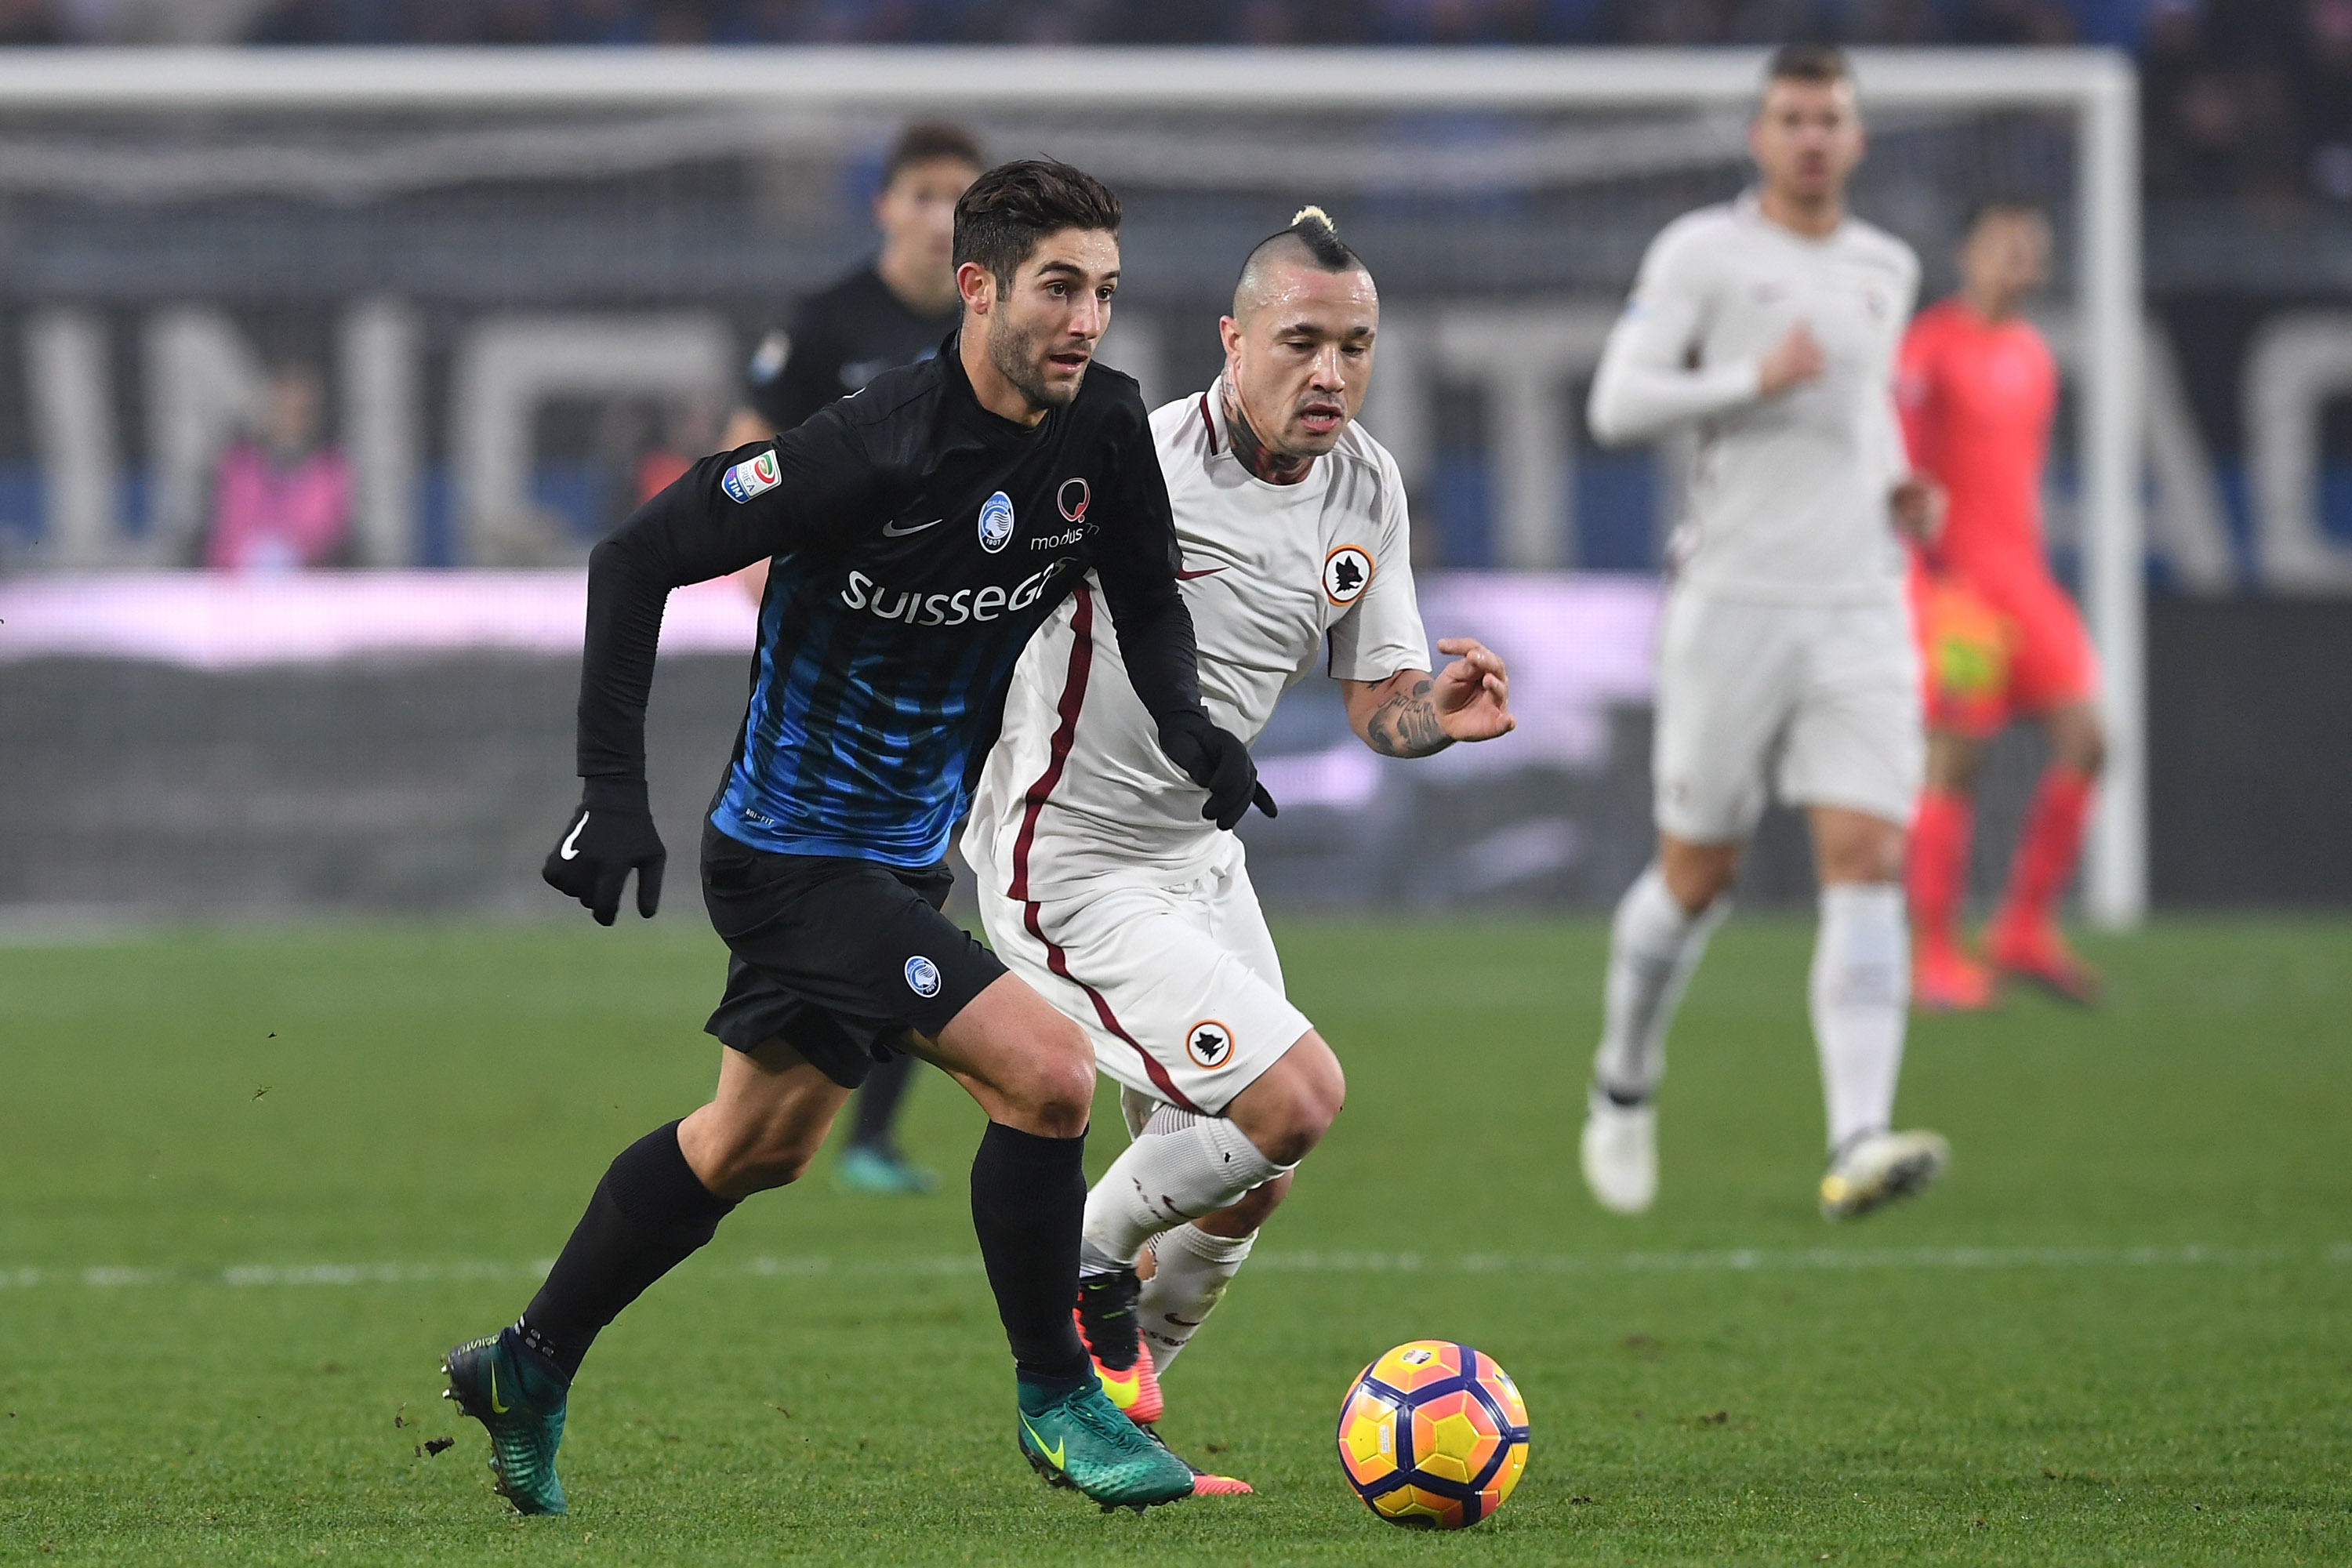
{"x":1080,"y":1440}
{"x":880,"y":1172}
{"x":518,"y":1398}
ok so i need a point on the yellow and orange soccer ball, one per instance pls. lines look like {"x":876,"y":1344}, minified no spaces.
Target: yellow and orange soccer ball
{"x":1433,"y":1436}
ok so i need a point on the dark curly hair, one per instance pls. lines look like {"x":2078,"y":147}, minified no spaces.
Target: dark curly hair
{"x":1007,"y":211}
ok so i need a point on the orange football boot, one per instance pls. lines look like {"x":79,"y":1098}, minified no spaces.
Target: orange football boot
{"x":1203,"y":1483}
{"x":1946,"y":979}
{"x":1107,"y":1323}
{"x":2037,"y":953}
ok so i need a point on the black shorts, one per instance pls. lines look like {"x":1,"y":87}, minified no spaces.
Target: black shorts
{"x":837,"y":957}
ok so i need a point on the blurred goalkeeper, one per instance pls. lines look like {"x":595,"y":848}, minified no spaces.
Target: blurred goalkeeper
{"x":1099,"y":881}
{"x":890,"y":311}
{"x":1999,"y":638}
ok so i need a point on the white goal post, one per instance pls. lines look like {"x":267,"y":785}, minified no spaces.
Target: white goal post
{"x":2098,"y":88}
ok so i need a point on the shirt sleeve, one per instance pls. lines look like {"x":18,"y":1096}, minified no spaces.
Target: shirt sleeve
{"x":808,"y":486}
{"x":1646,"y":384}
{"x":809,"y":378}
{"x":1381,"y":632}
{"x":1138,"y":561}
{"x":1917,"y":398}
{"x":1891,"y":432}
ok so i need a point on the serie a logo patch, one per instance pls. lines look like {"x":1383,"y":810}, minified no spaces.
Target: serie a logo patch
{"x":756,"y":476}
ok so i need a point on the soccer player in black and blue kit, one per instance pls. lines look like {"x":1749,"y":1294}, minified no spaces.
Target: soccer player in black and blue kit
{"x":920,"y":533}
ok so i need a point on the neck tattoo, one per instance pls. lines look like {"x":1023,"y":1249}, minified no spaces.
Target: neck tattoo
{"x":1274,"y":467}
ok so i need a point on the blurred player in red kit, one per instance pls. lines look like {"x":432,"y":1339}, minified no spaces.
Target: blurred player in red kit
{"x":1999,"y":638}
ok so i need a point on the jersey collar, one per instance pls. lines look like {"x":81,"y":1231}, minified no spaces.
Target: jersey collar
{"x":1749,"y":205}
{"x":964,"y":405}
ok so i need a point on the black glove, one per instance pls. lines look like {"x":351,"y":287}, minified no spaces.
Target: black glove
{"x":610,"y":835}
{"x":1217,"y":760}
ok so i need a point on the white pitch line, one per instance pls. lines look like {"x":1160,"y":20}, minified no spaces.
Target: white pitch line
{"x":816,"y":1266}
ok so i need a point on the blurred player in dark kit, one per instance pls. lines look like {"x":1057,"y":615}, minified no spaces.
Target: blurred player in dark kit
{"x":890,"y":311}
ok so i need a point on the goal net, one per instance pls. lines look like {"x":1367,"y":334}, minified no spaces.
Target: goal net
{"x":514,"y":286}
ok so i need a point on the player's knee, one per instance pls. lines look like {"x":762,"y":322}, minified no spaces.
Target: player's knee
{"x":1871,"y":852}
{"x":1695,"y":875}
{"x":2083,"y":750}
{"x":1059,"y":1081}
{"x":1286,"y":1113}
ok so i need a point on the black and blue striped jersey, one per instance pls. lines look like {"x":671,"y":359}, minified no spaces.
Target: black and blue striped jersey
{"x":917,"y":541}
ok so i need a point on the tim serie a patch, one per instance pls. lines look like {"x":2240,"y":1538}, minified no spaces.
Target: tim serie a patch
{"x":756,"y":476}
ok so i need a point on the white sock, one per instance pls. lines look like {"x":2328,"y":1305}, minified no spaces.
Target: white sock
{"x":1193,"y":1270}
{"x":1165,"y":1178}
{"x":1655,"y":947}
{"x":1860,"y":995}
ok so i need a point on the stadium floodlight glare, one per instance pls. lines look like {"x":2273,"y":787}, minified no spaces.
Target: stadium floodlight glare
{"x":2097,"y":89}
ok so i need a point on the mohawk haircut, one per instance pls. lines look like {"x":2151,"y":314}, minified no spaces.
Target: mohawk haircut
{"x":1310,"y":232}
{"x":1007,"y":212}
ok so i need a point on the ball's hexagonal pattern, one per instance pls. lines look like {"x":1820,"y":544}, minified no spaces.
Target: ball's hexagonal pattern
{"x":1433,"y":1436}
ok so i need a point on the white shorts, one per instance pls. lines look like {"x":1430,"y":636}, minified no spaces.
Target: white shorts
{"x":1821,"y":703}
{"x":1179,"y":988}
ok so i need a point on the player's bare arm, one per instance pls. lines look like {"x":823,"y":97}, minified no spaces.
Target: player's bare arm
{"x":1414,"y":713}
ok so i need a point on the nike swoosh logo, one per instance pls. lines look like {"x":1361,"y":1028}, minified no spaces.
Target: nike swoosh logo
{"x":570,"y":851}
{"x":1053,"y":1455}
{"x":1181,"y":1322}
{"x":1204,"y":572}
{"x":495,"y":1408}
{"x":892,"y":531}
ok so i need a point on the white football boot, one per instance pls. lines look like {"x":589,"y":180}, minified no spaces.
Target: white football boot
{"x":1878,"y":1168}
{"x":1621,"y":1153}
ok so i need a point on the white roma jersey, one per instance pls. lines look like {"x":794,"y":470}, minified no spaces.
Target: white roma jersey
{"x":1788,"y":494}
{"x":1077,"y":788}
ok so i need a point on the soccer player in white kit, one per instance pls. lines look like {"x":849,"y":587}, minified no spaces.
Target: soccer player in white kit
{"x":1770,"y":326}
{"x":1100,"y":883}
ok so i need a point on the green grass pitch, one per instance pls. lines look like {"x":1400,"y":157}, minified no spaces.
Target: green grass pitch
{"x":255,"y":1183}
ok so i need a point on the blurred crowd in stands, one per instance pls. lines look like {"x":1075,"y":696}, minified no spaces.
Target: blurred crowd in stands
{"x":2249,"y":98}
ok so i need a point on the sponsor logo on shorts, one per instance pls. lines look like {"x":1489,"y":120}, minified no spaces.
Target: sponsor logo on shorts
{"x":1070,"y":501}
{"x":1347,"y":572}
{"x":996,"y":523}
{"x":753,"y":477}
{"x":922,"y":976}
{"x":1209,"y":1043}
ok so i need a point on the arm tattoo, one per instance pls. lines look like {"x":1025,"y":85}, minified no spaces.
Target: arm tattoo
{"x":1406,"y":723}
{"x":1274,"y":467}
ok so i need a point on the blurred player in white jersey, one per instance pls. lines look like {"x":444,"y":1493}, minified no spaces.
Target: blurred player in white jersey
{"x":1099,"y":881}
{"x":1770,"y":326}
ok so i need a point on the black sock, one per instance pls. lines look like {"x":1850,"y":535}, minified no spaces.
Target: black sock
{"x":879,"y":1099}
{"x":649,"y":1214}
{"x":1029,"y":1203}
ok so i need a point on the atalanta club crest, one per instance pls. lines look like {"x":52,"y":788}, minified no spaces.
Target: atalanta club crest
{"x":996,"y":523}
{"x":922,"y":976}
{"x":1347,"y":572}
{"x":1209,"y":1043}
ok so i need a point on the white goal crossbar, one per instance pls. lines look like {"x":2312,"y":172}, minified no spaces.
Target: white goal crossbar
{"x":2098,"y":88}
